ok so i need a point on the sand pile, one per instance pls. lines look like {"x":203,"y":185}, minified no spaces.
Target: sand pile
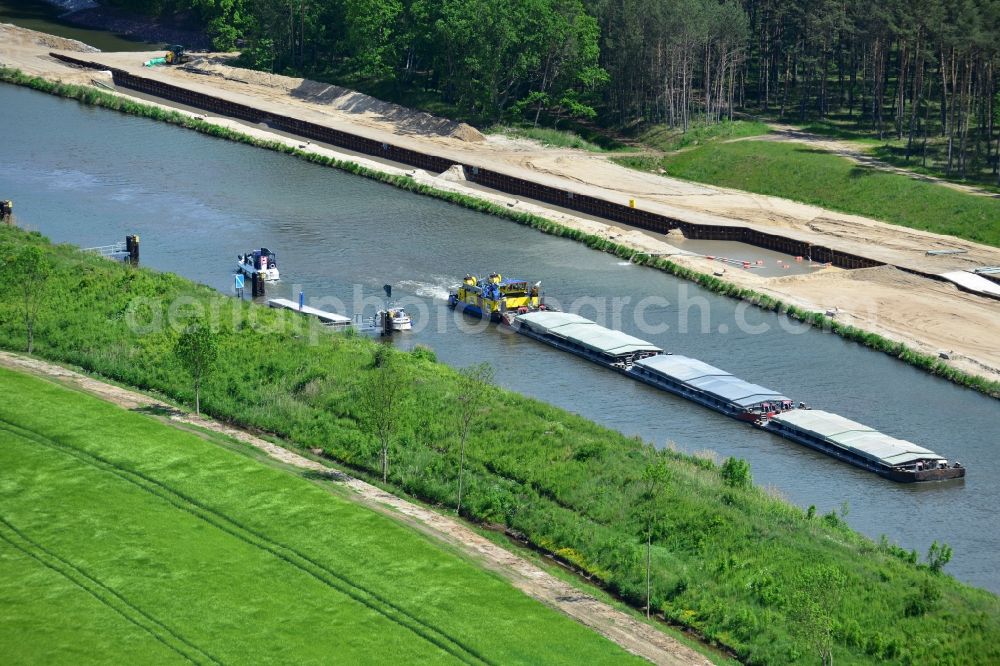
{"x":12,"y":36}
{"x":464,"y":132}
{"x":454,"y":173}
{"x":406,"y":120}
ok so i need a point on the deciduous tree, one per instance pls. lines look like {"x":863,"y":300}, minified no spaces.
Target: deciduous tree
{"x":27,"y":270}
{"x":197,"y":350}
{"x":655,"y":478}
{"x":380,"y":402}
{"x":473,"y":399}
{"x":813,"y":606}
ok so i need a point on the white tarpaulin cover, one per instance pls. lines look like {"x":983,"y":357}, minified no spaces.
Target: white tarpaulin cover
{"x":861,"y":439}
{"x":709,"y":379}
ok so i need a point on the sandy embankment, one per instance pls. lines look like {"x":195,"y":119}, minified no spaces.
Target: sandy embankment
{"x":927,"y":315}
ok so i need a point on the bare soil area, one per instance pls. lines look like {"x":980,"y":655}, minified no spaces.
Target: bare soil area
{"x":630,"y":634}
{"x":923,"y":313}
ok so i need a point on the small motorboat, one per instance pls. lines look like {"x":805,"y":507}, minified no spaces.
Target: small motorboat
{"x":261,"y":261}
{"x":398,"y":319}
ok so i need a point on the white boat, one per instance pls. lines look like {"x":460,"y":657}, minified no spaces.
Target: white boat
{"x":398,"y":319}
{"x":261,"y":261}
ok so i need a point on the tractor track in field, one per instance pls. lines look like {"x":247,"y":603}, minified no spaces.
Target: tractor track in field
{"x":631,"y":634}
{"x":287,"y":554}
{"x":104,"y":594}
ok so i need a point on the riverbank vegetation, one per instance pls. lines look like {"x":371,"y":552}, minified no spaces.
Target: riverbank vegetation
{"x":798,"y":172}
{"x":727,"y":559}
{"x":549,"y":137}
{"x":927,"y":362}
{"x":152,"y":544}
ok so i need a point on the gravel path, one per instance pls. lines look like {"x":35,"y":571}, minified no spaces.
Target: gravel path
{"x":632,"y":635}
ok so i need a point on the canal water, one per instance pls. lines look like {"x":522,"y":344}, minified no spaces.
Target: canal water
{"x":89,"y":177}
{"x":44,"y":17}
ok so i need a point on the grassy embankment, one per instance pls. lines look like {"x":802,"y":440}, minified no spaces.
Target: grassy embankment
{"x":932,"y":162}
{"x":126,"y":540}
{"x":660,"y":138}
{"x":798,"y":172}
{"x":581,"y":138}
{"x":670,"y":139}
{"x":93,"y":97}
{"x":729,"y":561}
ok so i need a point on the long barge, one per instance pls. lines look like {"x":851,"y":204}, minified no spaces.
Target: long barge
{"x":716,"y":389}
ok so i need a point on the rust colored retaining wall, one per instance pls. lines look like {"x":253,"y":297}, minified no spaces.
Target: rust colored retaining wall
{"x":499,"y":181}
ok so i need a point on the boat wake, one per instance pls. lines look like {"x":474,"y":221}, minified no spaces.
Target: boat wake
{"x":438,"y":289}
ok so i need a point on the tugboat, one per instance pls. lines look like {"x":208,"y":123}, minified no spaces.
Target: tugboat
{"x":493,"y":297}
{"x":261,"y":261}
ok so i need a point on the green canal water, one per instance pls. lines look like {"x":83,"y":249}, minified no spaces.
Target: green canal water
{"x":89,"y":177}
{"x":41,"y":16}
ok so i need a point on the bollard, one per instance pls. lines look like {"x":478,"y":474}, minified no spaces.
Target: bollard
{"x":132,"y":247}
{"x":257,"y":284}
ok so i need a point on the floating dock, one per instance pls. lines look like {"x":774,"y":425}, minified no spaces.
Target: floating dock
{"x":326,"y":318}
{"x":764,"y":408}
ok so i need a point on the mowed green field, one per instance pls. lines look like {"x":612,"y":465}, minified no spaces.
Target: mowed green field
{"x":125,"y":540}
{"x":801,"y":173}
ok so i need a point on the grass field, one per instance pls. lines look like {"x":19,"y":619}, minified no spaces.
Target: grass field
{"x":805,"y":174}
{"x":123,"y":540}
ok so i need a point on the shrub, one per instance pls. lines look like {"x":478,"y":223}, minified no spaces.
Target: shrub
{"x":736,"y":473}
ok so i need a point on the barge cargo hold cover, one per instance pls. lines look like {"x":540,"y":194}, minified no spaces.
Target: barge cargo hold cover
{"x":581,"y":336}
{"x":865,"y":447}
{"x":710,"y":386}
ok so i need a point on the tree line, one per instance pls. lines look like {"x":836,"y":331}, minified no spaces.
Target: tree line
{"x":903,"y":70}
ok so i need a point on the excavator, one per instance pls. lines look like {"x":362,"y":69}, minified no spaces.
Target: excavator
{"x":174,"y":56}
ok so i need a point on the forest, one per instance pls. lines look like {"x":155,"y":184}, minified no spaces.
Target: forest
{"x":902,"y":71}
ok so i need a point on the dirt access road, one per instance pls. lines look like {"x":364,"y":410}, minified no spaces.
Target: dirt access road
{"x":927,"y":315}
{"x":638,"y":638}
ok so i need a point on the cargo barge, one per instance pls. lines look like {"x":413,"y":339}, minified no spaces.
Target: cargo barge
{"x":852,"y":442}
{"x":711,"y":387}
{"x":579,"y":335}
{"x":716,"y":389}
